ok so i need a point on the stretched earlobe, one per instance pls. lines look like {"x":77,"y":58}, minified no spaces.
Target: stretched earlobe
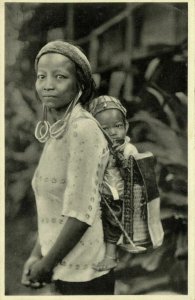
{"x":79,"y":93}
{"x":126,"y":125}
{"x":37,"y":95}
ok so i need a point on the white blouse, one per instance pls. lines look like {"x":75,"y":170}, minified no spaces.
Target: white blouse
{"x":67,"y":183}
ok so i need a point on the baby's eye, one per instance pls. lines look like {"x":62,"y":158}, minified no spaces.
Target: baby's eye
{"x":105,"y":128}
{"x":119,"y":125}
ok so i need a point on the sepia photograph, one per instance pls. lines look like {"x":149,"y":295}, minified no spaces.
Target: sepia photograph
{"x":96,"y":148}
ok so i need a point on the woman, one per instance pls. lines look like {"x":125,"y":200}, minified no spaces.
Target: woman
{"x":67,"y":181}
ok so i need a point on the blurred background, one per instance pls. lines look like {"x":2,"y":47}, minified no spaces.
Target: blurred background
{"x":138,"y":53}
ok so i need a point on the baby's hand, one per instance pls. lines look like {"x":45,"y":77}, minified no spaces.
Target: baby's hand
{"x":39,"y":273}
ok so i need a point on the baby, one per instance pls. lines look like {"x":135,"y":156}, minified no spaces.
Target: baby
{"x":111,"y":115}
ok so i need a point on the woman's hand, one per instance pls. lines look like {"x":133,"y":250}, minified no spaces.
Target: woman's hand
{"x":40,"y":273}
{"x":26,"y":271}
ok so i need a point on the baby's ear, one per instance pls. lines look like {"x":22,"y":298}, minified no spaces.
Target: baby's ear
{"x":126,"y":125}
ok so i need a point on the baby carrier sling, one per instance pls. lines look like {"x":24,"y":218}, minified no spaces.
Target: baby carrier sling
{"x":141,"y":225}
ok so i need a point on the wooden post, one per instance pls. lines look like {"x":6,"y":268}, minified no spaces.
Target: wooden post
{"x":129,"y":40}
{"x":93,"y":52}
{"x":70,"y":21}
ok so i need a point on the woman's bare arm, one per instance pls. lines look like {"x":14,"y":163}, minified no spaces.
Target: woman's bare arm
{"x":69,"y":236}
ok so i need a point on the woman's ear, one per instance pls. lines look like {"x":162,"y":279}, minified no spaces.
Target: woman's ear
{"x":126,"y":125}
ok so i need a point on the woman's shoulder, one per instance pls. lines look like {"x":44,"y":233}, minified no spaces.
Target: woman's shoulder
{"x":85,"y":125}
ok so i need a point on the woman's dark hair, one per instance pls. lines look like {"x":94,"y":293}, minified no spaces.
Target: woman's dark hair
{"x":87,"y":86}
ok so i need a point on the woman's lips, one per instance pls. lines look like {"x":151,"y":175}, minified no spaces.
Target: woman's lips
{"x":48,"y":96}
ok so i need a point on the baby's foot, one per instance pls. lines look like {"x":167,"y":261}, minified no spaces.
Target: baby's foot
{"x":107,"y":263}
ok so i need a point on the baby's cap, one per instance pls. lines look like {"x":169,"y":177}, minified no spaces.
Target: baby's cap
{"x":105,"y":102}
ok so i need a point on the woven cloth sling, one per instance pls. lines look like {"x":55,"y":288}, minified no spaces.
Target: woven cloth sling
{"x":141,"y":225}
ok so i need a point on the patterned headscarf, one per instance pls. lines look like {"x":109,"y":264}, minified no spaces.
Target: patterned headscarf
{"x":68,"y":50}
{"x":105,"y":102}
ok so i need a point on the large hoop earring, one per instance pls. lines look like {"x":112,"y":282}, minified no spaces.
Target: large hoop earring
{"x":42,"y":128}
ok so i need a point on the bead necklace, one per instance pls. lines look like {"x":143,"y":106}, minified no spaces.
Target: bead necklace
{"x":44,"y":130}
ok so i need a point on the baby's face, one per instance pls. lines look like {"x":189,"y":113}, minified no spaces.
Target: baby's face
{"x":112,"y":121}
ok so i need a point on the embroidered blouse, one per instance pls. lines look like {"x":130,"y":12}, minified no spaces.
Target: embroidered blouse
{"x":67,"y":183}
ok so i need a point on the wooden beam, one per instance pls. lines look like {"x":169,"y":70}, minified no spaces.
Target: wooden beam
{"x":107,"y":25}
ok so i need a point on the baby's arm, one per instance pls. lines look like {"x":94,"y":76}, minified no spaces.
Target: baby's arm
{"x":130,"y":150}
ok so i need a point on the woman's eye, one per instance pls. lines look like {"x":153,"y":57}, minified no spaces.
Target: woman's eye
{"x":119,"y":125}
{"x":59,"y":76}
{"x":40,"y":76}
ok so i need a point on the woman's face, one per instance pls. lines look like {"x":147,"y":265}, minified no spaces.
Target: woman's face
{"x":56,"y":82}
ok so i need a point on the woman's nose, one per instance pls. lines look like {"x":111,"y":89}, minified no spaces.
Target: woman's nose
{"x":48,"y":84}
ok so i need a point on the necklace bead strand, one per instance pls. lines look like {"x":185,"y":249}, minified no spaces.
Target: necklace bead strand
{"x":42,"y":137}
{"x":44,"y":130}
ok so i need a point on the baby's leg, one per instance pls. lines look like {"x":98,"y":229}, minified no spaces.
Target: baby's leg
{"x":109,"y":261}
